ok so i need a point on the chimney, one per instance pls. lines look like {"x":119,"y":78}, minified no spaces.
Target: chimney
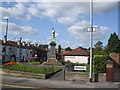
{"x":5,"y":40}
{"x":23,"y":43}
{"x":18,"y":43}
{"x":28,"y":44}
{"x":36,"y":44}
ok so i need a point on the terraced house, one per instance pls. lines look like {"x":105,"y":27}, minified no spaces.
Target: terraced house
{"x":21,"y":51}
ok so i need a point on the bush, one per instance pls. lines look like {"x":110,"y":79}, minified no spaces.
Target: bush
{"x":99,"y":62}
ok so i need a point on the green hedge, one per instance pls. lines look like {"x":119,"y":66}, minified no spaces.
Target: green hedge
{"x":99,"y":62}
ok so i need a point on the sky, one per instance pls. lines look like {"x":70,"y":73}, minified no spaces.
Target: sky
{"x":33,"y":21}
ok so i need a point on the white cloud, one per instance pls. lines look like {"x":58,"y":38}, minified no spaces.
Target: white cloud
{"x":19,"y":11}
{"x":18,"y":30}
{"x":82,"y":36}
{"x":63,"y":12}
{"x":66,"y":20}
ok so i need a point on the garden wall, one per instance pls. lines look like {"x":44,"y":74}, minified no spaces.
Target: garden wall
{"x":27,"y":74}
{"x":83,"y":76}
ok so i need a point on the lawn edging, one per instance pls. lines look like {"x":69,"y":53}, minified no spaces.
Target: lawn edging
{"x":7,"y":72}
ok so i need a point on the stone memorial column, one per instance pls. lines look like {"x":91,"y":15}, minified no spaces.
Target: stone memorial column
{"x":52,"y":60}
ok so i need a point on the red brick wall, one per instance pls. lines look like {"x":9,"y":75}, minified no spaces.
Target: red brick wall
{"x":109,"y":74}
{"x":113,"y":68}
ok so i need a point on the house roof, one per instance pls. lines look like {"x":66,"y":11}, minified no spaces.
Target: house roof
{"x":115,"y":57}
{"x":76,"y":52}
{"x":12,"y":43}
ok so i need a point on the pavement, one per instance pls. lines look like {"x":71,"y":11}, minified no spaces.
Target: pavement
{"x":58,"y":76}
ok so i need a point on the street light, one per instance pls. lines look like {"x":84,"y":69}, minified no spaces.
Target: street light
{"x":6,"y":18}
{"x":91,"y":29}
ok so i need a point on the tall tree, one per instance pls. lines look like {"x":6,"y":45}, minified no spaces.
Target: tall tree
{"x":68,"y":49}
{"x":98,"y":46}
{"x":98,"y":49}
{"x":114,"y":43}
{"x":59,"y":48}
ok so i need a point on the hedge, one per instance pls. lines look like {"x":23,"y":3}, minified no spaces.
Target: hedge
{"x":99,"y":62}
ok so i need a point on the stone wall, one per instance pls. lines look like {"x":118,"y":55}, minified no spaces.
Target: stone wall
{"x":83,"y":76}
{"x":27,"y":74}
{"x":23,"y":74}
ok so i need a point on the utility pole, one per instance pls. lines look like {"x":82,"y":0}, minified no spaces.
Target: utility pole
{"x":91,"y":37}
{"x":91,"y":29}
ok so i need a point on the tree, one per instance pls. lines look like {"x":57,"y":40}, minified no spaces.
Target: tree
{"x":59,"y":48}
{"x":98,"y":49}
{"x":68,"y":49}
{"x":114,"y":43}
{"x":98,"y":46}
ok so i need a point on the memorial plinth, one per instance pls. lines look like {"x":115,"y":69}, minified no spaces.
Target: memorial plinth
{"x":52,"y":60}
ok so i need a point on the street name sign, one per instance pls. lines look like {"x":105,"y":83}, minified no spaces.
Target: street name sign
{"x":79,"y":67}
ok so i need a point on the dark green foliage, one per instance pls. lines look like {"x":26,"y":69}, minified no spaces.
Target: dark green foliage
{"x":98,"y":49}
{"x":114,"y":43}
{"x":98,"y":46}
{"x":59,"y":48}
{"x":68,"y":49}
{"x":99,"y":62}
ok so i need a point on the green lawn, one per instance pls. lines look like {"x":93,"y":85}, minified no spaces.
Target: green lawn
{"x":34,"y":69}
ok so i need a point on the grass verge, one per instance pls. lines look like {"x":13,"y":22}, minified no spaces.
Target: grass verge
{"x":33,"y":69}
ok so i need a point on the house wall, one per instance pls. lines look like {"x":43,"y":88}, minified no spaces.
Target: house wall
{"x":23,"y":54}
{"x":17,"y":54}
{"x":1,"y":49}
{"x":77,"y":59}
{"x":13,"y":53}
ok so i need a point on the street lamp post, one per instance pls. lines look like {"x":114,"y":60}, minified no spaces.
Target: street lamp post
{"x":91,"y":29}
{"x":6,"y":18}
{"x":91,"y":38}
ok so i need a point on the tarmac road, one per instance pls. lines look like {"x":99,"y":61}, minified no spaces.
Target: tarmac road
{"x":47,"y":84}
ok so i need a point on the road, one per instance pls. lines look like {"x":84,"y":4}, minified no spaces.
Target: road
{"x":17,"y":82}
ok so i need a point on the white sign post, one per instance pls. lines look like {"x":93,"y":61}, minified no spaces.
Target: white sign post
{"x":79,"y":67}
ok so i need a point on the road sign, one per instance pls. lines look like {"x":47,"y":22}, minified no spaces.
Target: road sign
{"x":79,"y":67}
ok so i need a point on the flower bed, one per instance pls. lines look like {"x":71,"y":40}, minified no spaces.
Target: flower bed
{"x":10,"y":63}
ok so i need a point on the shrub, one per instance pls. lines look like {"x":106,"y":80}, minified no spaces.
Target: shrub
{"x":99,"y":62}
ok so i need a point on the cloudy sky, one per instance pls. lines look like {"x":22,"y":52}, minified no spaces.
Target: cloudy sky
{"x":33,"y":21}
